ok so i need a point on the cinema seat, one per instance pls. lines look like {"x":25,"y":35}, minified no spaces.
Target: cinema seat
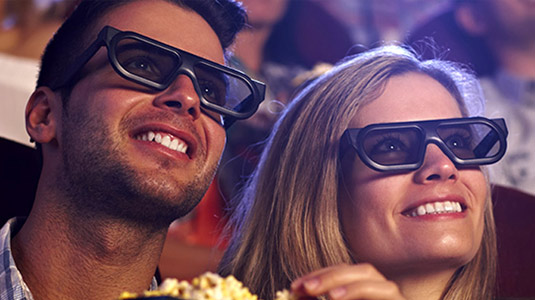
{"x":19,"y":173}
{"x":514,"y":213}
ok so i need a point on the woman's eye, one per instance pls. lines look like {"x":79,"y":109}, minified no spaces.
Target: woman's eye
{"x":390,"y":151}
{"x":457,"y":141}
{"x":389,"y":145}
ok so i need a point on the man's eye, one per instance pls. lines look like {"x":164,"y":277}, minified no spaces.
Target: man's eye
{"x":140,"y":64}
{"x":143,"y":66}
{"x":212,"y":92}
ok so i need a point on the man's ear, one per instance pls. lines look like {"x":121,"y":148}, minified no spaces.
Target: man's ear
{"x":42,"y":115}
{"x":471,"y":19}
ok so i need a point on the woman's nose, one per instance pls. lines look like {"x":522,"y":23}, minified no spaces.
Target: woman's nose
{"x":180,"y":97}
{"x":437,"y":166}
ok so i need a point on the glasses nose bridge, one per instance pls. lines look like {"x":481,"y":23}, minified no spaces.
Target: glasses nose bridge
{"x":433,"y":138}
{"x":177,"y":86}
{"x":441,"y":146}
{"x":187,"y":71}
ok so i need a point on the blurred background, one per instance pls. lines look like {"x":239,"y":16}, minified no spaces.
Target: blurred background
{"x":288,"y":43}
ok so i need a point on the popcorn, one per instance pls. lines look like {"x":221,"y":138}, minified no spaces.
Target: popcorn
{"x":208,"y":286}
{"x":285,"y":295}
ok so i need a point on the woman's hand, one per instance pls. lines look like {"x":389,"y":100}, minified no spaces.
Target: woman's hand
{"x":347,"y":282}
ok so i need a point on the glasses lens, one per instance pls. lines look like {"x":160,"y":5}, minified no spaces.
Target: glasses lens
{"x":470,"y":141}
{"x":393,"y":146}
{"x":145,"y":60}
{"x":221,"y":88}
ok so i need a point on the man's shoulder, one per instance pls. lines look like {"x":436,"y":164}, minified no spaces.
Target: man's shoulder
{"x":6,"y":232}
{"x":13,"y":287}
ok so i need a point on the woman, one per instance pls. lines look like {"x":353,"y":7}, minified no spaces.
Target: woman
{"x":388,"y":221}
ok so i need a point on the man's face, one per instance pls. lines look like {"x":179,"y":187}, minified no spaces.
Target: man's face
{"x":107,"y":121}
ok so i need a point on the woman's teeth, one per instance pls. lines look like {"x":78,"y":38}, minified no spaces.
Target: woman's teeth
{"x":164,"y":140}
{"x":436,"y":208}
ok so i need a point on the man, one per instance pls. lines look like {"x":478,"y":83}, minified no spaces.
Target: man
{"x":130,"y":114}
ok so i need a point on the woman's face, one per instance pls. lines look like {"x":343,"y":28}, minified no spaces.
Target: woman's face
{"x":376,"y":207}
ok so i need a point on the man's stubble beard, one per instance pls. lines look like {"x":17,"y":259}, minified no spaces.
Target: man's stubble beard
{"x":99,"y":181}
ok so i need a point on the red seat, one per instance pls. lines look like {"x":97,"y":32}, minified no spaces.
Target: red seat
{"x":514,"y":212}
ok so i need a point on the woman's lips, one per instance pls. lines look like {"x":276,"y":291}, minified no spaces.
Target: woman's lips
{"x":435,"y":208}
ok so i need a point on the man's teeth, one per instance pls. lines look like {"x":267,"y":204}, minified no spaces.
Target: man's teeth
{"x":164,"y":140}
{"x":436,"y":208}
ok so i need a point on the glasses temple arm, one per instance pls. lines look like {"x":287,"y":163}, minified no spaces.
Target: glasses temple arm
{"x":81,"y":61}
{"x":261,"y":87}
{"x":345,"y":143}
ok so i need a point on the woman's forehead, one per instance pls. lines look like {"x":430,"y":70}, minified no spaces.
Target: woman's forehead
{"x":408,"y":97}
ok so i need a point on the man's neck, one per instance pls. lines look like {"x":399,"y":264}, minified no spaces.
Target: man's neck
{"x":68,"y":256}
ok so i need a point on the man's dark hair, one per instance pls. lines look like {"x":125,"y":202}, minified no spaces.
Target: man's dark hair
{"x":226,"y":17}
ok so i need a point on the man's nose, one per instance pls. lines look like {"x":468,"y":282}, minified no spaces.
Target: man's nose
{"x":180,"y":97}
{"x":437,"y":166}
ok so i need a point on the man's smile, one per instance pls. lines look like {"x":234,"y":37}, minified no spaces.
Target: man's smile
{"x":168,"y":138}
{"x":164,"y":139}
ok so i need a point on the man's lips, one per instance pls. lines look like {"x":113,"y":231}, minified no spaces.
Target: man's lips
{"x":170,"y":138}
{"x":164,"y":139}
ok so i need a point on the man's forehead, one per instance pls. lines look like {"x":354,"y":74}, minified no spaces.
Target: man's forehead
{"x":168,"y":23}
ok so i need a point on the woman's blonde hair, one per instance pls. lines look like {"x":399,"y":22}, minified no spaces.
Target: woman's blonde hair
{"x":287,"y":221}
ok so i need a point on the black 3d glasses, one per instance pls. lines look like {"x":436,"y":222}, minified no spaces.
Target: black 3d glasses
{"x":401,"y":146}
{"x":153,"y":64}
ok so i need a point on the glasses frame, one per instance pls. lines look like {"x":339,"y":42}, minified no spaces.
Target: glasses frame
{"x":110,"y":36}
{"x":354,"y":138}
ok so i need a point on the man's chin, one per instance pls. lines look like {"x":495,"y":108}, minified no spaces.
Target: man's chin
{"x":165,"y":204}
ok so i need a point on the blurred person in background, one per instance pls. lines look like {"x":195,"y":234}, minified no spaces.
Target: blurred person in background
{"x":507,"y":28}
{"x":254,"y":52}
{"x":27,"y":25}
{"x":25,"y":28}
{"x":372,"y":23}
{"x":283,"y":41}
{"x":441,"y":35}
{"x":497,"y":39}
